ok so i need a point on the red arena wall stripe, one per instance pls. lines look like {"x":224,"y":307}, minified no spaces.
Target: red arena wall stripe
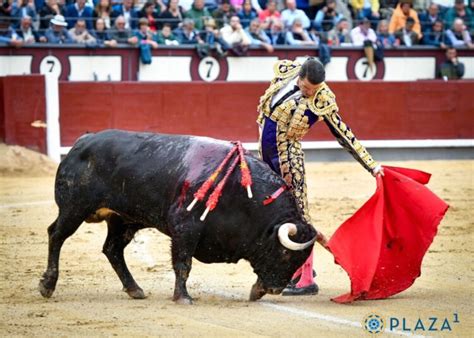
{"x":374,"y":110}
{"x":23,"y":103}
{"x":227,"y":110}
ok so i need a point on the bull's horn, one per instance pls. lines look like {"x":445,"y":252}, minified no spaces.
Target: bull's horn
{"x":290,"y":229}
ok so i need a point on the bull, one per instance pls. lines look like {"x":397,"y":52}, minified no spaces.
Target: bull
{"x":138,"y":180}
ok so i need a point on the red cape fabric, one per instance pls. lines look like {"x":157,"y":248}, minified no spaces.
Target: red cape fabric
{"x":382,"y":245}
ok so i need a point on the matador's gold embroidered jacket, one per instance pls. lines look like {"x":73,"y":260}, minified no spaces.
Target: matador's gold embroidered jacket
{"x":294,"y":117}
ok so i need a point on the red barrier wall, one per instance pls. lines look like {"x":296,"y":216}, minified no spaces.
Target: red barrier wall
{"x":374,"y":110}
{"x":23,"y":102}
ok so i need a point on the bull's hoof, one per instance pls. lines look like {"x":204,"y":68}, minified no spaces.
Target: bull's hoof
{"x":183,"y":300}
{"x":136,"y":293}
{"x":45,"y":292}
{"x":257,"y":292}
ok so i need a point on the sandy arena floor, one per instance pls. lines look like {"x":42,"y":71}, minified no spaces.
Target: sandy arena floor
{"x":89,"y":302}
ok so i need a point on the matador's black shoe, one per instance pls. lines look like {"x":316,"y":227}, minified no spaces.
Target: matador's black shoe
{"x":309,"y":290}
{"x":292,"y":290}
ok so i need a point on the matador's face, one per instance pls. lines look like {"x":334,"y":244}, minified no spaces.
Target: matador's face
{"x":307,"y":88}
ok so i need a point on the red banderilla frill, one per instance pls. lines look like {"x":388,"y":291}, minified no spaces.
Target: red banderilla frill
{"x":244,"y":169}
{"x":201,"y":193}
{"x":214,"y":198}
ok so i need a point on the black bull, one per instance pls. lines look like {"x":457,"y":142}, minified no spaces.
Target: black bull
{"x":139,"y":180}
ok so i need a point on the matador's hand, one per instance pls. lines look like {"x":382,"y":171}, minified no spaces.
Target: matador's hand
{"x":378,"y":171}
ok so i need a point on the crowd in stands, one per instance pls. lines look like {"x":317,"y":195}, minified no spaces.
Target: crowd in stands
{"x":223,"y":25}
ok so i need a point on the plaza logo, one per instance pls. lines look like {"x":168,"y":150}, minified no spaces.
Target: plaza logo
{"x":375,"y":324}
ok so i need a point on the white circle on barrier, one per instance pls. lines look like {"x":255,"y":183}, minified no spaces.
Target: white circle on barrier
{"x":209,"y":69}
{"x":51,"y":64}
{"x":362,"y":70}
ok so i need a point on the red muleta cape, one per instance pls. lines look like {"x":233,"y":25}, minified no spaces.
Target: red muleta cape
{"x":382,"y":245}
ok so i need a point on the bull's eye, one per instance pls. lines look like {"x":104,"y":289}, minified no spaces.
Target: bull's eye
{"x":285,"y":252}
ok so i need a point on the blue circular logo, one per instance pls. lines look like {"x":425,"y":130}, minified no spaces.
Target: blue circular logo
{"x":373,"y":324}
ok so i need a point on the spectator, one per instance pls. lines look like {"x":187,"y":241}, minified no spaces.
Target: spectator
{"x":459,"y":11}
{"x":451,"y":68}
{"x":172,"y":16}
{"x":102,"y":37}
{"x":436,"y":36}
{"x":400,"y":15}
{"x":79,"y":10}
{"x":166,"y":36}
{"x":428,"y":17}
{"x":20,"y":9}
{"x":406,"y":35}
{"x":186,"y":4}
{"x":224,"y":13}
{"x":57,"y":33}
{"x":327,"y":17}
{"x":122,"y":34}
{"x":291,"y":13}
{"x":247,"y":14}
{"x":49,"y":10}
{"x":384,"y":38}
{"x":235,"y":36}
{"x":144,"y":34}
{"x":128,"y":12}
{"x":269,"y":15}
{"x":8,"y":36}
{"x":364,"y":35}
{"x":150,"y":13}
{"x":258,"y":37}
{"x":340,"y":35}
{"x":80,"y":34}
{"x":103,"y":10}
{"x":366,"y":9}
{"x":187,"y":34}
{"x":212,"y":40}
{"x":211,"y":5}
{"x":458,"y":35}
{"x":298,"y":36}
{"x":26,"y":31}
{"x":277,"y":33}
{"x":198,"y":13}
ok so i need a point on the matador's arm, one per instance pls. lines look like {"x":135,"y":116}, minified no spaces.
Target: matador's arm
{"x":347,"y":139}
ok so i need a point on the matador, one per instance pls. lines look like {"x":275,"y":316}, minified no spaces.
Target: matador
{"x":296,"y":99}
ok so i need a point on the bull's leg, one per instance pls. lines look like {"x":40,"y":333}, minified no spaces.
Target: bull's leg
{"x":118,"y":237}
{"x":63,"y":227}
{"x":183,"y":246}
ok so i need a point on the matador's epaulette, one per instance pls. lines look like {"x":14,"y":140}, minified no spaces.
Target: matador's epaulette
{"x":286,"y":68}
{"x":323,"y":102}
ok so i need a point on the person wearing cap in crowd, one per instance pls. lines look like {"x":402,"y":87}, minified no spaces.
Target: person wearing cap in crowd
{"x":58,"y":33}
{"x":296,"y":99}
{"x":399,"y":17}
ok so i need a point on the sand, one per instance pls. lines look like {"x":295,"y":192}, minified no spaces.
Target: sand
{"x":89,"y":302}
